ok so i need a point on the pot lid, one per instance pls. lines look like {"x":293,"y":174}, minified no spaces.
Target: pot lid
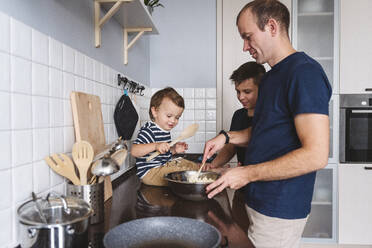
{"x":54,"y":210}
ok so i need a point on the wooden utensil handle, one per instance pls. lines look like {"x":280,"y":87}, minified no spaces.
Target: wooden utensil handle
{"x":155,"y":154}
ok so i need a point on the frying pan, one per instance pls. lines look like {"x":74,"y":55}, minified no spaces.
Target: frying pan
{"x":164,"y":232}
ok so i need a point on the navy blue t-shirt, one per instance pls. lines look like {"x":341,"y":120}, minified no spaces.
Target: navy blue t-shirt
{"x":240,"y":121}
{"x":295,"y":85}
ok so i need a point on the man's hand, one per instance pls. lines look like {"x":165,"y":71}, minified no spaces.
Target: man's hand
{"x":234,"y":178}
{"x":180,"y":147}
{"x":162,"y":147}
{"x":212,"y":146}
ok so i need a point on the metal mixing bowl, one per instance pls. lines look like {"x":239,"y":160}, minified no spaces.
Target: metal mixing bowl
{"x":178,"y":183}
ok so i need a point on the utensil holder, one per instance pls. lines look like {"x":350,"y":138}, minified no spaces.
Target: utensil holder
{"x":92,"y":194}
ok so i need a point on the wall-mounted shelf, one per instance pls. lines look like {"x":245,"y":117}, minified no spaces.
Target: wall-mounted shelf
{"x":132,"y":15}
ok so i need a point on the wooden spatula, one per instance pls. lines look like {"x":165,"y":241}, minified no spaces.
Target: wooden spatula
{"x":83,"y":153}
{"x":186,"y":133}
{"x":63,"y":165}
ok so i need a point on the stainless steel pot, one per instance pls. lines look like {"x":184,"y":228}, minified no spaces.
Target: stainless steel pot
{"x":61,"y":222}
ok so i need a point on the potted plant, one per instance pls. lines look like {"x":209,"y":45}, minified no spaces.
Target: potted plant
{"x":151,"y":4}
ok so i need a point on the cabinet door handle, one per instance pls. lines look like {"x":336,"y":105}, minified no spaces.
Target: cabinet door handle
{"x":368,"y":167}
{"x":368,"y":89}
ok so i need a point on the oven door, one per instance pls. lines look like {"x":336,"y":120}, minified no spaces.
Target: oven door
{"x":357,"y":132}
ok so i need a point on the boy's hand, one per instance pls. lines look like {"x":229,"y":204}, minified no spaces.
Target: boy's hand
{"x":180,"y":147}
{"x":162,"y":147}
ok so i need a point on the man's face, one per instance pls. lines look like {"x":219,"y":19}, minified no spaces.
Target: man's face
{"x":246,"y":93}
{"x":255,"y":40}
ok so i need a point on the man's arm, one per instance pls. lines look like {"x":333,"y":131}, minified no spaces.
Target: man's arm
{"x":224,"y":156}
{"x":313,"y":132}
{"x":240,"y":138}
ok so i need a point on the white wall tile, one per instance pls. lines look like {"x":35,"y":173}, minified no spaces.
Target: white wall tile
{"x":189,"y":104}
{"x":5,"y":150}
{"x":56,"y":112}
{"x":97,"y":71}
{"x":68,"y":119}
{"x":210,"y":126}
{"x":105,"y":74}
{"x":88,"y":68}
{"x":210,"y":135}
{"x":210,"y":104}
{"x":40,"y":80}
{"x":20,"y":39}
{"x":79,"y":84}
{"x":200,"y":137}
{"x":201,"y":126}
{"x":199,"y":103}
{"x":79,"y":63}
{"x":20,"y":75}
{"x":55,"y":53}
{"x":6,"y":220}
{"x":199,"y":115}
{"x":5,"y":111}
{"x":68,"y":58}
{"x":41,"y":176}
{"x":5,"y":32}
{"x":55,"y":83}
{"x":68,"y":84}
{"x":210,"y":93}
{"x":199,"y":93}
{"x":188,"y":115}
{"x":22,"y":183}
{"x":59,"y":188}
{"x":41,"y":143}
{"x":21,"y":111}
{"x":109,"y":96}
{"x":40,"y":112}
{"x":4,"y":71}
{"x":21,"y":147}
{"x":56,"y":140}
{"x":188,"y":93}
{"x":89,"y":86}
{"x":69,"y":139}
{"x":5,"y":183}
{"x":40,"y":47}
{"x":196,"y":148}
{"x":211,"y":115}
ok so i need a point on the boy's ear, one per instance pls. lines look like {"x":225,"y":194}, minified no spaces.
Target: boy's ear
{"x":153,"y":111}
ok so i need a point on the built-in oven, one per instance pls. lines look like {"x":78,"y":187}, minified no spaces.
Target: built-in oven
{"x":356,"y":128}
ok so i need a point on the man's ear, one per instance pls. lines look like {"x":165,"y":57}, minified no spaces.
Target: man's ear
{"x":273,"y":27}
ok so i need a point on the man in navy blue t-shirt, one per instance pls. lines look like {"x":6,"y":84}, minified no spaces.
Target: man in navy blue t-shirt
{"x":289,"y":137}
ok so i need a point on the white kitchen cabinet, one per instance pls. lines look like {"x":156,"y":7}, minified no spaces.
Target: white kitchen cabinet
{"x":322,"y":222}
{"x":315,"y":32}
{"x":355,"y":201}
{"x":355,"y":47}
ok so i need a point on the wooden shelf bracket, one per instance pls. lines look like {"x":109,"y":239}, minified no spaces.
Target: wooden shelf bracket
{"x":127,"y":46}
{"x":98,"y":23}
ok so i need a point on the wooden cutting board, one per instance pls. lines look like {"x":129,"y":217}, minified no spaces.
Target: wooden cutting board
{"x":88,"y":123}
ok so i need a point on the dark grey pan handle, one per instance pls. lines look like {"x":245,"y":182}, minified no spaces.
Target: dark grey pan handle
{"x":368,"y":167}
{"x":368,"y":89}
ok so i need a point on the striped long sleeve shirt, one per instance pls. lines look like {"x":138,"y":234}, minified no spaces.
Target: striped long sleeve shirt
{"x":151,"y":133}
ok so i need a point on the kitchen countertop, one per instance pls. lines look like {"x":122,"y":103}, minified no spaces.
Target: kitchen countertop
{"x":133,"y":200}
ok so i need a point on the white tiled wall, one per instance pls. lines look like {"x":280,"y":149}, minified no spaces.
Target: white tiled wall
{"x":200,"y":107}
{"x":37,"y":74}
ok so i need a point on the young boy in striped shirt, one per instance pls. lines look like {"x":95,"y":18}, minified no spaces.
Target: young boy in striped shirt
{"x":166,"y":107}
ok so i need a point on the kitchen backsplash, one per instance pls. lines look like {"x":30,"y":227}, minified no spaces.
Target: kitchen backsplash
{"x":37,"y":74}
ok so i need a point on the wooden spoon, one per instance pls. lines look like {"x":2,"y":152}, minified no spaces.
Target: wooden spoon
{"x":62,"y":164}
{"x":83,"y":153}
{"x":186,"y":133}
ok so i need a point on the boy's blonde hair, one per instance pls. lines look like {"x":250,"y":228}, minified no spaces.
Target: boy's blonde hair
{"x":168,"y":92}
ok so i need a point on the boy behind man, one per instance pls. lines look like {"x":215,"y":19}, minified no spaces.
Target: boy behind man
{"x":166,"y":107}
